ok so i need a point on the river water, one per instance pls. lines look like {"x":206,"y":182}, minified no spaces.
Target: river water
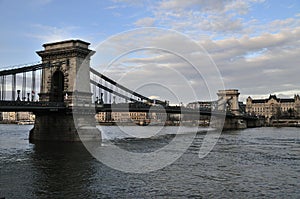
{"x":250,"y":163}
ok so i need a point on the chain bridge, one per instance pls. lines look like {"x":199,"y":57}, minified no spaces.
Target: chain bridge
{"x":48,"y":89}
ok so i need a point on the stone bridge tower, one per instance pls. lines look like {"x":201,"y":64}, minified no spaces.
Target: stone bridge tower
{"x":297,"y":105}
{"x":63,"y":60}
{"x":229,"y":99}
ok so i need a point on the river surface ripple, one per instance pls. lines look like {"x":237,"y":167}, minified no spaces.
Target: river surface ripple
{"x":250,"y":163}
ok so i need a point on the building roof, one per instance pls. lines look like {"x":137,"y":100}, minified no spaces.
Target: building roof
{"x":275,"y":98}
{"x":287,"y":100}
{"x":259,"y":101}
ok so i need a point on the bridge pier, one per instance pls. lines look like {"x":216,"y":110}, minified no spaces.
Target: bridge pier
{"x":234,"y":123}
{"x":230,"y":123}
{"x":61,"y":127}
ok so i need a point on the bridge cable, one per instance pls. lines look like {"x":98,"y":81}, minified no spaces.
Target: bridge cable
{"x":104,"y":91}
{"x":100,"y":92}
{"x":122,"y":87}
{"x":94,"y":90}
{"x":33,"y":86}
{"x":110,"y":94}
{"x":24,"y":87}
{"x":14,"y":85}
{"x":1,"y":87}
{"x":4,"y":88}
{"x":111,"y":91}
{"x":24,"y":69}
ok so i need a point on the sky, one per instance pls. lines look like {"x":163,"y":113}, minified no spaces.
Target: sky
{"x":251,"y":45}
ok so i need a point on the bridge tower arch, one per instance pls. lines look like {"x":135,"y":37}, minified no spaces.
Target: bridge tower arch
{"x":57,"y":87}
{"x":63,"y":60}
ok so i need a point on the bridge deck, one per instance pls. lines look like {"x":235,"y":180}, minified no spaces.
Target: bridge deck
{"x":25,"y":106}
{"x":20,"y":106}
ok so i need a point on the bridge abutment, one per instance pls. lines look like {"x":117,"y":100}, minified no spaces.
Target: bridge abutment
{"x":53,"y":127}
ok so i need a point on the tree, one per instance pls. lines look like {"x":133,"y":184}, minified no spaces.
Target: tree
{"x":278,"y":112}
{"x":291,"y":112}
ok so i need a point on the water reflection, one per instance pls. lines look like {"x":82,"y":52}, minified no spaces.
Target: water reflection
{"x":62,"y":169}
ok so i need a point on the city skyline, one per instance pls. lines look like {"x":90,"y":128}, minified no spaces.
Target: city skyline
{"x":254,"y":43}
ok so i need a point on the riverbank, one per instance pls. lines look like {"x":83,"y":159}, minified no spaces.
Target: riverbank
{"x":285,"y":123}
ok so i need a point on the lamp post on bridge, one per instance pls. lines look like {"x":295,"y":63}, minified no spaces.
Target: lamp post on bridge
{"x":18,"y":92}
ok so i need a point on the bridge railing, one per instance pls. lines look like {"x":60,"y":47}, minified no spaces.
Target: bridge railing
{"x":33,"y":104}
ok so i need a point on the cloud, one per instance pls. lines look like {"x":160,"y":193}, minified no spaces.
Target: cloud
{"x":112,"y":7}
{"x":255,"y":65}
{"x":256,"y":56}
{"x":274,"y":62}
{"x":51,"y":34}
{"x":162,"y":58}
{"x":272,"y":71}
{"x":219,"y":19}
{"x":215,"y":5}
{"x":216,"y":17}
{"x":131,"y":2}
{"x":145,"y":22}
